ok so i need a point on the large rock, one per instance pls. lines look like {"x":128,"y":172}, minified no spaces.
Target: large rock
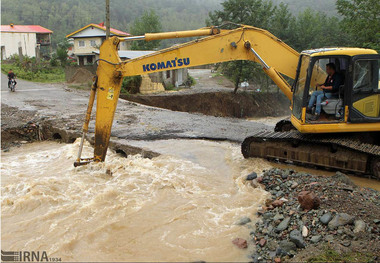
{"x":315,"y":239}
{"x":341,"y":219}
{"x":326,"y":218}
{"x":277,"y":203}
{"x":342,"y":178}
{"x":240,"y":243}
{"x":285,"y":246}
{"x":359,"y":226}
{"x":308,"y":200}
{"x":242,"y":221}
{"x":278,"y":216}
{"x":283,"y":225}
{"x":251,"y":176}
{"x":296,"y":237}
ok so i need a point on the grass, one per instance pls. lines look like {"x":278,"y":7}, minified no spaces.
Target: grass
{"x":47,"y":75}
{"x":217,"y":74}
{"x":330,"y":255}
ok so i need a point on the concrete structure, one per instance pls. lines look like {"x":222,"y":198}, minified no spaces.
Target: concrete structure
{"x":88,"y":39}
{"x":24,"y":38}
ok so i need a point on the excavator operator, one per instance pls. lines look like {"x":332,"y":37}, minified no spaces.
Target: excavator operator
{"x":328,"y":89}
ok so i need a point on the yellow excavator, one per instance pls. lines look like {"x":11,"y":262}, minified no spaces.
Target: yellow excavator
{"x":345,"y":137}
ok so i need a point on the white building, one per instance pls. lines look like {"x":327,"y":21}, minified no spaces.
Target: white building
{"x":28,"y":37}
{"x":88,"y":39}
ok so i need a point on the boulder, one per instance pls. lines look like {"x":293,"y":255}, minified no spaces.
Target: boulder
{"x":296,"y":237}
{"x":277,"y":203}
{"x":326,"y":218}
{"x":315,"y":239}
{"x":283,"y":225}
{"x":308,"y":200}
{"x":341,"y":219}
{"x":342,"y":178}
{"x":242,"y":221}
{"x":262,"y":242}
{"x":286,"y":246}
{"x":305,"y":231}
{"x":240,"y":242}
{"x":359,"y":226}
{"x":251,"y":176}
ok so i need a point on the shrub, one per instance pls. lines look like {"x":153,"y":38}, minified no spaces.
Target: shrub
{"x":131,"y":85}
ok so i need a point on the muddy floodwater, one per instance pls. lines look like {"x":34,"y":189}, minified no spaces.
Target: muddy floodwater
{"x":180,"y":206}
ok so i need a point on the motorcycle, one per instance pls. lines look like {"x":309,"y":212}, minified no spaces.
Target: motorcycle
{"x":12,"y":85}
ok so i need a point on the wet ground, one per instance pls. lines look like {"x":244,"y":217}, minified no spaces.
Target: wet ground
{"x":179,"y":206}
{"x":66,"y":109}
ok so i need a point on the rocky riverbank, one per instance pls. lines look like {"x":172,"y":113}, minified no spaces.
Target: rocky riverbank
{"x":315,"y":219}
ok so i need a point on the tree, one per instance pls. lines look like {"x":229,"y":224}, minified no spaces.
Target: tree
{"x":62,"y":51}
{"x":361,"y":18}
{"x":258,"y":13}
{"x":149,"y":22}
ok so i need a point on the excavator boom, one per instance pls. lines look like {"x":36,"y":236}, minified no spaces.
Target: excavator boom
{"x":243,"y":43}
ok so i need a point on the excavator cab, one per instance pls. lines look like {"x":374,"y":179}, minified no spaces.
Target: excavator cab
{"x":358,"y":98}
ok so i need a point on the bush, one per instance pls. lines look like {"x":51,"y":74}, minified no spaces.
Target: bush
{"x":42,"y":72}
{"x":191,"y":80}
{"x":169,"y":86}
{"x":131,"y":85}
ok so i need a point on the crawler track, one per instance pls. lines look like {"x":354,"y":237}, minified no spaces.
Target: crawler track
{"x":337,"y":151}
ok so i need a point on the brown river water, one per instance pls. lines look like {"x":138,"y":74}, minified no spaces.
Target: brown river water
{"x":180,"y":206}
{"x":177,"y":207}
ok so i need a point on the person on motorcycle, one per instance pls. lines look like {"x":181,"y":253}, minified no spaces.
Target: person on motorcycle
{"x":11,"y":75}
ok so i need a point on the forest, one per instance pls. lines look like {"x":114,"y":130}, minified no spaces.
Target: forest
{"x":302,"y":24}
{"x":66,"y":16}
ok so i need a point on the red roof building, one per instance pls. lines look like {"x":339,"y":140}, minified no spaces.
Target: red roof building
{"x":25,"y":29}
{"x":28,"y":37}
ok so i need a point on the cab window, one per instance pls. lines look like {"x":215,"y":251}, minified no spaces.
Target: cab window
{"x":366,"y":76}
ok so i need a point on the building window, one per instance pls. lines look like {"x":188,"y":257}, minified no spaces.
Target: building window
{"x":81,"y":43}
{"x":93,"y":43}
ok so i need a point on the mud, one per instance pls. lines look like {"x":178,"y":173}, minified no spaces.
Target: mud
{"x":81,"y":76}
{"x":170,"y":208}
{"x":219,"y":104}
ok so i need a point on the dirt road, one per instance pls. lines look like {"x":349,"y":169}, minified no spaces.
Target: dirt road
{"x":65,"y":108}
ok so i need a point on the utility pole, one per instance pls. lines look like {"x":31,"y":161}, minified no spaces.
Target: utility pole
{"x":108,"y":19}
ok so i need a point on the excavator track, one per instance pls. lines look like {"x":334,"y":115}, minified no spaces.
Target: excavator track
{"x":342,"y":152}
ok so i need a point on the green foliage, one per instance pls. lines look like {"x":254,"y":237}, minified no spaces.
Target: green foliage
{"x":256,"y":13}
{"x":169,"y":86}
{"x":320,"y":6}
{"x":149,"y":22}
{"x":62,"y":55}
{"x":131,"y":85}
{"x":361,"y":18}
{"x":41,"y":73}
{"x":64,"y":17}
{"x":328,"y":254}
{"x":191,"y":80}
{"x":307,"y":30}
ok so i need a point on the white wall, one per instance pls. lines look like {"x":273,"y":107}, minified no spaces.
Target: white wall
{"x":12,"y":41}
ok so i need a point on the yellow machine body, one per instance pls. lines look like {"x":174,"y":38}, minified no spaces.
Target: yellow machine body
{"x":243,"y":43}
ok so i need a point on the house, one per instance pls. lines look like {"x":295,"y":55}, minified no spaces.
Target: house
{"x":153,"y":82}
{"x":24,"y":38}
{"x":89,"y":38}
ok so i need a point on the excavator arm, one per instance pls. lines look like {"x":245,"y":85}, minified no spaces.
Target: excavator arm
{"x":243,"y":43}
